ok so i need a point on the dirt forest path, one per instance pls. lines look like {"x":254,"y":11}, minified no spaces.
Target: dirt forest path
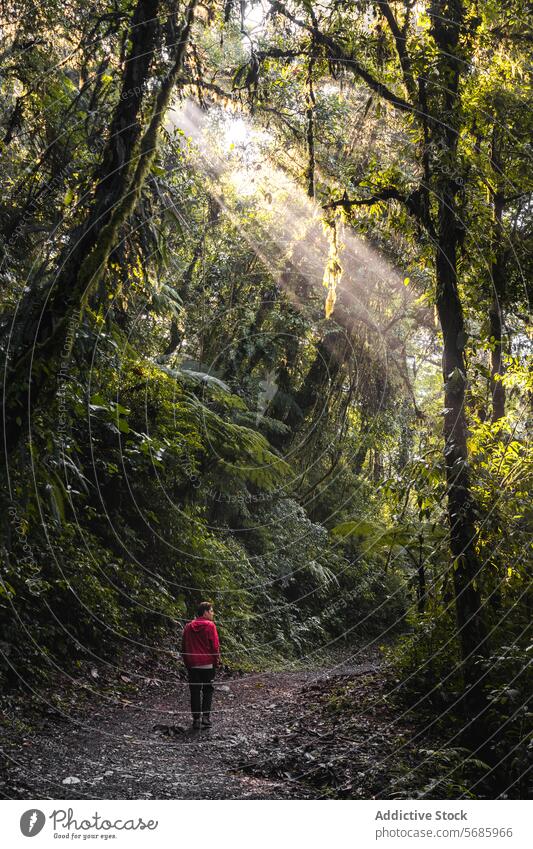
{"x":267,"y":742}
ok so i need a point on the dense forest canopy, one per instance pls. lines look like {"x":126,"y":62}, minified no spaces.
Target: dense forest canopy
{"x":265,"y":281}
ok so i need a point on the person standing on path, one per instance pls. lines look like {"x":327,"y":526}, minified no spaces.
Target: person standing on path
{"x":200,"y":650}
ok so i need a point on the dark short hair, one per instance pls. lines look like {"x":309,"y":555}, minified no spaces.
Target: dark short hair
{"x":203,"y":607}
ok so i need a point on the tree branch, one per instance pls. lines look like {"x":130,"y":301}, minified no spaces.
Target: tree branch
{"x":399,"y":40}
{"x":336,"y":53}
{"x":412,"y":203}
{"x":346,"y":203}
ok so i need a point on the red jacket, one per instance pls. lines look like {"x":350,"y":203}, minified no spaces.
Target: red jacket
{"x":200,"y":645}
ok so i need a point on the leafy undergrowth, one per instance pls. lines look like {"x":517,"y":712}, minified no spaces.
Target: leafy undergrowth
{"x":344,"y":737}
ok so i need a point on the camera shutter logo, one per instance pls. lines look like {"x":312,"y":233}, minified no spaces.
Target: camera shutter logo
{"x":32,"y":822}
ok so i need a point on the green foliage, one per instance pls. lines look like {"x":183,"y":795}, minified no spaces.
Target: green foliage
{"x":206,"y":432}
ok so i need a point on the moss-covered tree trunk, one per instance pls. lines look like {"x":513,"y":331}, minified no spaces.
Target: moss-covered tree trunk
{"x":465,"y":563}
{"x":447,"y":23}
{"x":495,"y":313}
{"x":45,"y":328}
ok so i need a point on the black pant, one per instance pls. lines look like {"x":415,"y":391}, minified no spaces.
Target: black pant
{"x":201,"y":687}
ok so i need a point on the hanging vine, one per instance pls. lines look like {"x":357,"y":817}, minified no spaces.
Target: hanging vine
{"x":333,"y":269}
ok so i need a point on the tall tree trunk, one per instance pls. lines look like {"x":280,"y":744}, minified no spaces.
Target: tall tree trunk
{"x":466,"y":566}
{"x":282,"y":403}
{"x":495,"y":312}
{"x":310,"y":130}
{"x":248,"y":353}
{"x":421,"y":590}
{"x":183,"y":292}
{"x":331,"y":353}
{"x":447,"y":21}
